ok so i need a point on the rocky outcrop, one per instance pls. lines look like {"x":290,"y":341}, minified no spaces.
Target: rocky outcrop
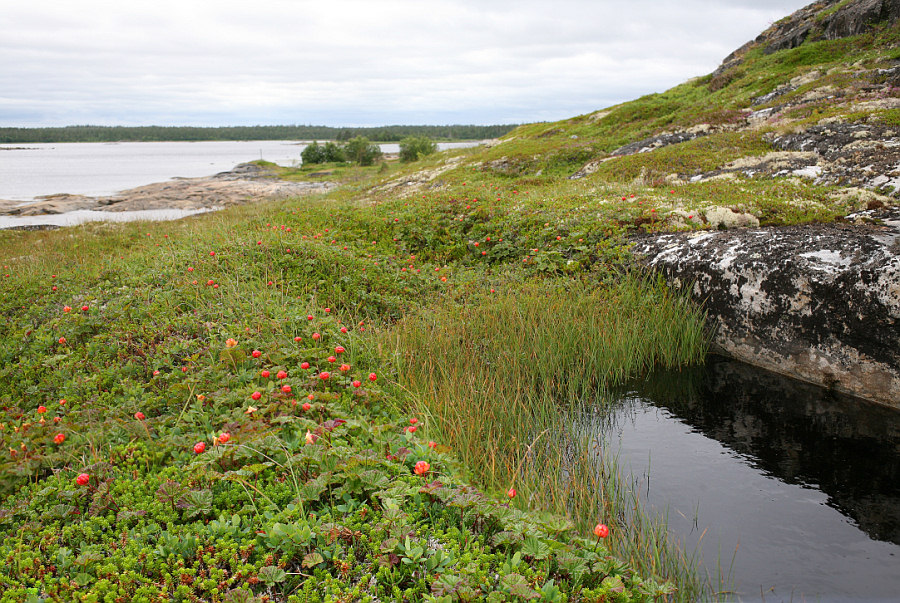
{"x":424,"y":179}
{"x":859,"y":155}
{"x":244,"y":184}
{"x":828,"y":20}
{"x":820,"y":303}
{"x":663,"y":140}
{"x":823,"y":20}
{"x":642,"y":146}
{"x":854,"y":18}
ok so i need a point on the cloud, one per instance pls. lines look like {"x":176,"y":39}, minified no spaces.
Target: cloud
{"x":355,"y":62}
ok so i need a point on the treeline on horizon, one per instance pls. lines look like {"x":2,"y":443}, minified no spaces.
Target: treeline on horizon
{"x":189,"y":133}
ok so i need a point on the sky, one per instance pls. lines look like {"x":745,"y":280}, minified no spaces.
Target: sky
{"x":354,"y":62}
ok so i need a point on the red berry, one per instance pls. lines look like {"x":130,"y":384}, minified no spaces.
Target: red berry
{"x":199,"y":447}
{"x":306,"y":406}
{"x":304,"y":365}
{"x":281,"y":374}
{"x":372,"y":376}
{"x":83,"y":479}
{"x":256,"y":395}
{"x":324,"y":375}
{"x":356,"y":383}
{"x":265,"y":374}
{"x":139,"y":416}
{"x":256,"y":353}
{"x":286,"y":389}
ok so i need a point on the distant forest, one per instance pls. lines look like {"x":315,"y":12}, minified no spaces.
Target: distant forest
{"x":178,"y":133}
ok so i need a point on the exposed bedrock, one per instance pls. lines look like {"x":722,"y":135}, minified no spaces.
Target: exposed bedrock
{"x":245,"y":183}
{"x":816,"y":302}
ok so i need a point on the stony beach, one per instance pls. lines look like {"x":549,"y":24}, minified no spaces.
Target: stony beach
{"x":245,"y":183}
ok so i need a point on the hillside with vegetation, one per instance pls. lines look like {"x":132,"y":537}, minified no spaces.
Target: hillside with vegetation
{"x":383,"y":392}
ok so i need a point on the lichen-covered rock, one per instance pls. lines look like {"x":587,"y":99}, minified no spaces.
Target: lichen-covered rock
{"x":662,"y":140}
{"x":829,"y":20}
{"x":822,"y":20}
{"x":860,"y":155}
{"x":726,"y":217}
{"x":645,"y":146}
{"x":834,"y":153}
{"x":816,"y":302}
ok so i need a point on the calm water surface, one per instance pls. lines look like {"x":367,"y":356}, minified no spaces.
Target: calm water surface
{"x":797,"y":488}
{"x":29,"y":170}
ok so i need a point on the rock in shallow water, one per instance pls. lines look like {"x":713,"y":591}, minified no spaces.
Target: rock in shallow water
{"x":816,"y":302}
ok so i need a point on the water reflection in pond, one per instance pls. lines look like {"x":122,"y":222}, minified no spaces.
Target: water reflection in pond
{"x":800,"y":488}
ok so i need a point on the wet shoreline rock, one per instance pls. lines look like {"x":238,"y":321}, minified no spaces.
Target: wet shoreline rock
{"x":819,"y":302}
{"x":243,"y":184}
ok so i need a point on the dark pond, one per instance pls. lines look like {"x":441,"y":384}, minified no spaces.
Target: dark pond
{"x":796,"y":491}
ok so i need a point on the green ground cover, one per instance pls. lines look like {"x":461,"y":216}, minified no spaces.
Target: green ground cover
{"x":412,"y":283}
{"x":379,"y":393}
{"x":146,"y":358}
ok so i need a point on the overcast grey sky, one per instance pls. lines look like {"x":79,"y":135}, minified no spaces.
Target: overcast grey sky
{"x":354,"y":62}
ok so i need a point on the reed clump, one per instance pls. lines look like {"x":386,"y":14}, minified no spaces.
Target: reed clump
{"x":507,"y":384}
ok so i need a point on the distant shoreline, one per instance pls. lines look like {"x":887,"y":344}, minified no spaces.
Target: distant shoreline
{"x":114,"y":134}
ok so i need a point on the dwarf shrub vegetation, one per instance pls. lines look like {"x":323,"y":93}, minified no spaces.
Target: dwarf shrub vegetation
{"x":306,"y":488}
{"x":379,"y":270}
{"x":492,"y":298}
{"x":328,"y":153}
{"x":357,"y":150}
{"x":413,"y":148}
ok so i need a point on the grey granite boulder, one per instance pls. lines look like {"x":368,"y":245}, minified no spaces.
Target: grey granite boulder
{"x":820,"y":302}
